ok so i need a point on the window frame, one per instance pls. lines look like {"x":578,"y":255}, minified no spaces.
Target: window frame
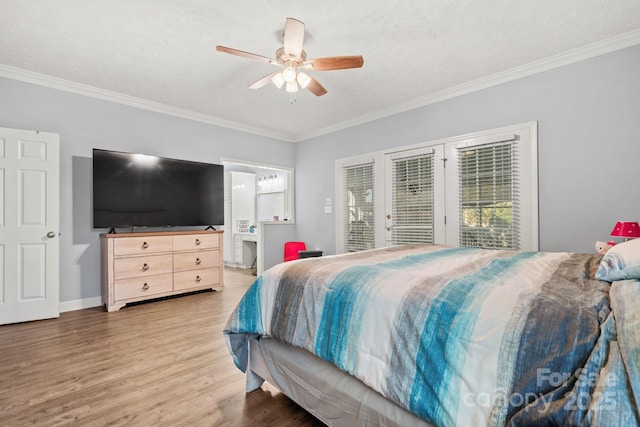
{"x":525,"y":138}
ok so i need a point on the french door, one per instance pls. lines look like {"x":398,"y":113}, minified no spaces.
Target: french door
{"x":414,"y":196}
{"x":29,"y":224}
{"x":477,"y":190}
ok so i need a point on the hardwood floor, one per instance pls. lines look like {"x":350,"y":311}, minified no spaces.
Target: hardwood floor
{"x":162,"y":363}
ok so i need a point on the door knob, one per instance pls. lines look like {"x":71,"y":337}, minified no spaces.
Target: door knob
{"x":51,"y":234}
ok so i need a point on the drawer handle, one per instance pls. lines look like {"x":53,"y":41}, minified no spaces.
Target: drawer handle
{"x":198,"y":279}
{"x":198,"y":261}
{"x":197,"y":242}
{"x":144,"y":245}
{"x":145,"y":287}
{"x":145,"y":267}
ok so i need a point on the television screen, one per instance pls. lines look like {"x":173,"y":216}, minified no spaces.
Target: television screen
{"x":136,"y":190}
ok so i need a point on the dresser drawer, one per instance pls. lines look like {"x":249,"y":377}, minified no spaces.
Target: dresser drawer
{"x":195,"y":260}
{"x":142,"y":245}
{"x":143,"y":286}
{"x":196,"y":278}
{"x":142,"y":266}
{"x":190,"y":242}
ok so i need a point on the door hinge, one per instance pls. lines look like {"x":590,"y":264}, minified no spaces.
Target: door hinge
{"x":445,"y":220}
{"x":444,"y":161}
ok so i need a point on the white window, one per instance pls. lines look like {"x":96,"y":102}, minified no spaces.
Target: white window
{"x":488,"y":199}
{"x":474,"y":190}
{"x":492,"y":189}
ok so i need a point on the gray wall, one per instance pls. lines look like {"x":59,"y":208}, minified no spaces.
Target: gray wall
{"x":275,"y":236}
{"x":85,"y":123}
{"x":588,"y":117}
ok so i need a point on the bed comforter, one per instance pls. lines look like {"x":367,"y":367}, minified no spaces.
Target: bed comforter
{"x":461,"y":336}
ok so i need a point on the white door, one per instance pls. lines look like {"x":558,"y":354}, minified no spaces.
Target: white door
{"x":414,"y":196}
{"x":29,"y":224}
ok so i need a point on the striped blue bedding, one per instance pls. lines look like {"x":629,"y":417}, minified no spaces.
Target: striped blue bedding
{"x":461,"y":336}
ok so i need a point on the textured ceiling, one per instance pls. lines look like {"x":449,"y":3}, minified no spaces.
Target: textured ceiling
{"x":163,"y":51}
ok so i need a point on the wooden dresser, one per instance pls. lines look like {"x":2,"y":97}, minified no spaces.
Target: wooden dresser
{"x":141,"y":266}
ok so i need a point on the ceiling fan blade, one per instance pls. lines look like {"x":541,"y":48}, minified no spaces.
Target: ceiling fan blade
{"x":335,"y":63}
{"x":315,"y":87}
{"x":263,"y":81}
{"x":293,"y":37}
{"x":244,"y":54}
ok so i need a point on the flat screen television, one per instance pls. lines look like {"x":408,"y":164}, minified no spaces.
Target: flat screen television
{"x":137,"y":190}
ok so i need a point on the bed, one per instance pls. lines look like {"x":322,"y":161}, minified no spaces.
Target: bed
{"x":433,"y":335}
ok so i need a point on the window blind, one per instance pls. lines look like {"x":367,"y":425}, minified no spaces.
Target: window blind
{"x":412,"y":190}
{"x":359,"y":203}
{"x":488,"y":196}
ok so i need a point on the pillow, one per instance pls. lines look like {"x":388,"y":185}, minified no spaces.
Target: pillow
{"x":621,"y":262}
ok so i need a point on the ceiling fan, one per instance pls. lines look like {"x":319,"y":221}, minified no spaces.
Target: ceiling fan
{"x":293,"y":61}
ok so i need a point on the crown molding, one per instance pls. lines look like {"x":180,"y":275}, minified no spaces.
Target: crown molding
{"x":622,"y":41}
{"x":131,"y":101}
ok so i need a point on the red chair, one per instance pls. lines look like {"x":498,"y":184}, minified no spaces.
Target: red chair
{"x":292,"y":250}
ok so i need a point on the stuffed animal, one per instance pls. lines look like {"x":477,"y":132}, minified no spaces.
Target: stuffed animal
{"x":603,"y":247}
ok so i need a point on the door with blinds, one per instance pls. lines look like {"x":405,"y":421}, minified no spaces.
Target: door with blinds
{"x":414,"y":195}
{"x":477,"y":190}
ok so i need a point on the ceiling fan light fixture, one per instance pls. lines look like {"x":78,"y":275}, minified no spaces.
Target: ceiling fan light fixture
{"x":289,"y":74}
{"x":292,"y":58}
{"x":292,"y":87}
{"x":278,"y":80}
{"x":303,"y":80}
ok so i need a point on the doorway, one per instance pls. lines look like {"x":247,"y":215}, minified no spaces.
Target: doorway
{"x":256,"y":194}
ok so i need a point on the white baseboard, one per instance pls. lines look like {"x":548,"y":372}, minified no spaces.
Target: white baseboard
{"x":79,"y":304}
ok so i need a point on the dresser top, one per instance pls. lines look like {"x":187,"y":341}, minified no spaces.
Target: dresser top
{"x":157,"y":233}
